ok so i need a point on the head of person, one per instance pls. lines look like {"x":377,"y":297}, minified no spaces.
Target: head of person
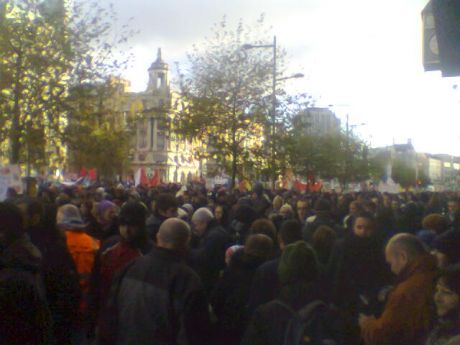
{"x":174,"y":234}
{"x":447,"y":293}
{"x":105,"y":213}
{"x":259,"y":246}
{"x":322,"y":207}
{"x":324,"y":237}
{"x":298,"y":264}
{"x":265,"y":227}
{"x":364,"y":225}
{"x":290,"y":232}
{"x":402,"y":250}
{"x":32,"y":211}
{"x":68,"y":217}
{"x":302,"y":207}
{"x":286,"y":211}
{"x":355,"y":207}
{"x":435,"y":222}
{"x":201,"y":219}
{"x":277,"y":203}
{"x":221,"y":214}
{"x":446,"y":248}
{"x":453,"y":205}
{"x":132,"y":222}
{"x":166,"y":205}
{"x":11,"y":223}
{"x":230,"y":252}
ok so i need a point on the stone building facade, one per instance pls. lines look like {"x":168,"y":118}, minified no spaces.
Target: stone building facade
{"x":154,"y":144}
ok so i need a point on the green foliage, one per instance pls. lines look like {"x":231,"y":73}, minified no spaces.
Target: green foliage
{"x":47,"y":49}
{"x":330,"y":156}
{"x":225,"y":92}
{"x":403,"y":173}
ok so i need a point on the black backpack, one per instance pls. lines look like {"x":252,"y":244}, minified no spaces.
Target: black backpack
{"x":313,"y":324}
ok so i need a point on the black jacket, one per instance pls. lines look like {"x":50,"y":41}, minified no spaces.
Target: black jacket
{"x":157,"y":299}
{"x":231,"y":295}
{"x":208,"y":258}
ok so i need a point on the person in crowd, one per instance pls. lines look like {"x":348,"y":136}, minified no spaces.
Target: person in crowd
{"x":265,"y":285}
{"x":230,"y":252}
{"x":244,"y":216}
{"x":298,"y":273}
{"x":354,"y":209}
{"x":277,"y":202}
{"x":231,"y":294}
{"x":408,"y":314}
{"x":265,"y":227}
{"x":303,"y":210}
{"x":158,"y":298}
{"x":453,"y":214}
{"x":357,"y":270}
{"x":25,"y":318}
{"x":446,"y":248}
{"x":221,"y":215}
{"x":447,"y":300}
{"x":106,"y":215}
{"x":323,"y":216}
{"x":165,"y":207}
{"x":323,"y":243}
{"x":134,"y":243}
{"x":60,"y":277}
{"x":208,"y":257}
{"x":82,"y":247}
{"x":433,"y":225}
{"x":259,"y":200}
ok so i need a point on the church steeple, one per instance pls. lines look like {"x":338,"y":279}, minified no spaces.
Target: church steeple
{"x":158,"y":75}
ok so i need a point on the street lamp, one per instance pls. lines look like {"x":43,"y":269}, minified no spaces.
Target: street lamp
{"x":273,"y":110}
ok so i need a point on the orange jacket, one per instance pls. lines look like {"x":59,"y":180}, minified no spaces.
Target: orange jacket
{"x":409,"y":310}
{"x":83,"y":249}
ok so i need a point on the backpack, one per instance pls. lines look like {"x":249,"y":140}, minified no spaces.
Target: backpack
{"x":311,"y":325}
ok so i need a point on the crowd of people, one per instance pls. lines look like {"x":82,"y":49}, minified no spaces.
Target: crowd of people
{"x":184,"y":265}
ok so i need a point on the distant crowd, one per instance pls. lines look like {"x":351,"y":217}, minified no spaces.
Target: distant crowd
{"x":182,"y":265}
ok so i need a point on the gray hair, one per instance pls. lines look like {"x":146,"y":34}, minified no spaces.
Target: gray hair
{"x":202,"y":215}
{"x":408,"y":243}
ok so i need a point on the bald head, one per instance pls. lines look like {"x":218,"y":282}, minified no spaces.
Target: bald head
{"x":403,"y":249}
{"x":174,"y":234}
{"x":408,"y":243}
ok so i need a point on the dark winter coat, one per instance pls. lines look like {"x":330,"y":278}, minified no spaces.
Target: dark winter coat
{"x":157,"y":299}
{"x":231,"y":295}
{"x":265,"y":285}
{"x":358,"y":269}
{"x":208,"y":258}
{"x":269,"y":322}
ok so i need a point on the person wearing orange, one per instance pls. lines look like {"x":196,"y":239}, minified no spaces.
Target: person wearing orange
{"x":409,"y":312}
{"x":81,"y":246}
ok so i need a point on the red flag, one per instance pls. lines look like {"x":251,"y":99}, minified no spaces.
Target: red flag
{"x":155,"y":180}
{"x":144,"y":181}
{"x":83,"y":172}
{"x":92,"y":174}
{"x":299,"y":186}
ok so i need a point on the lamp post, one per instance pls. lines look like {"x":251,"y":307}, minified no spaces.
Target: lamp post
{"x":273,"y":99}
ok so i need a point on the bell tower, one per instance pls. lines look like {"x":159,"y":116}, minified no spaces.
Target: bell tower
{"x":158,"y":76}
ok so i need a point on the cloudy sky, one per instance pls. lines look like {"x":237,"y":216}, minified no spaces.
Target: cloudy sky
{"x":362,"y":56}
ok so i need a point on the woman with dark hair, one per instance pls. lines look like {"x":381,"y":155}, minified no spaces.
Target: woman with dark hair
{"x":447,"y":300}
{"x":221,"y":215}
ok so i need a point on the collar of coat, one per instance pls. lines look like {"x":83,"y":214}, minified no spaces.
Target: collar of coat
{"x":423,"y":264}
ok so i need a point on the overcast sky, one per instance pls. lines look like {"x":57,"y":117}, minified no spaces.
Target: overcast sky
{"x":362,"y":56}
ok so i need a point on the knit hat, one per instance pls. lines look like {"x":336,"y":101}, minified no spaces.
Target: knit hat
{"x":103,"y":206}
{"x":133,"y":213}
{"x":230,"y":251}
{"x":449,"y":244}
{"x":69,"y":217}
{"x":298,"y":263}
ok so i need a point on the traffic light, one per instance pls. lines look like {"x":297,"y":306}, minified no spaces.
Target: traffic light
{"x":441,"y":33}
